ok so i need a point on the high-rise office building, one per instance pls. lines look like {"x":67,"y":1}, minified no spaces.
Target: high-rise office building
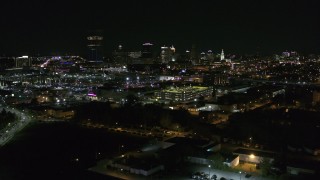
{"x":164,"y":54}
{"x":222,"y":55}
{"x":120,"y":55}
{"x":7,"y":62}
{"x":95,"y":40}
{"x":210,"y":56}
{"x":23,"y":61}
{"x":167,"y":54}
{"x":147,"y":50}
{"x":203,"y":58}
{"x":194,"y":55}
{"x":173,"y":53}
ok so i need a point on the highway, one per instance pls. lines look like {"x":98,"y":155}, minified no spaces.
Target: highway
{"x":7,"y":133}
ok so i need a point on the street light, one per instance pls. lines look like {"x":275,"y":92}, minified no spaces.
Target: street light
{"x":209,"y":170}
{"x":121,"y":148}
{"x":240,"y":174}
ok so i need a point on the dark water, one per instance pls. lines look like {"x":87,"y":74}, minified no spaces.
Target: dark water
{"x":50,"y":151}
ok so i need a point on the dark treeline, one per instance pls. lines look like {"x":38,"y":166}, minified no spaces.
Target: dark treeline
{"x":6,"y":117}
{"x":276,"y":127}
{"x":134,"y":115}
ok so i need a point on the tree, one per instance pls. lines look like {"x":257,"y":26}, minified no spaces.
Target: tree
{"x":165,"y":120}
{"x":131,"y":100}
{"x":265,"y":166}
{"x":218,"y":161}
{"x":3,"y":112}
{"x":34,"y":101}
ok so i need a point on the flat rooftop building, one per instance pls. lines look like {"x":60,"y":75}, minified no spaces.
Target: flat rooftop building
{"x":184,"y":93}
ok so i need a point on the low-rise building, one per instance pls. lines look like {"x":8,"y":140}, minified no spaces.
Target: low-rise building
{"x":184,"y":93}
{"x":139,"y":164}
{"x":61,"y":113}
{"x":254,"y":156}
{"x":299,"y":167}
{"x":231,"y":161}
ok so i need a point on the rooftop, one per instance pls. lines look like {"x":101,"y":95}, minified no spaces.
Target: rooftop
{"x":183,"y":140}
{"x":255,"y":152}
{"x":185,"y":89}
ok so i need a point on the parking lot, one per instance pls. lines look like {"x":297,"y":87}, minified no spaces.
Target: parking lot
{"x":187,"y":172}
{"x":219,"y":174}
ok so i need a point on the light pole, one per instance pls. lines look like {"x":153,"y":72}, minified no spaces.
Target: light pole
{"x":209,"y":170}
{"x":240,"y":174}
{"x":120,"y":148}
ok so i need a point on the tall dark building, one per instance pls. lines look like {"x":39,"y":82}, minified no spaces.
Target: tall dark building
{"x":7,"y":62}
{"x":147,"y":50}
{"x":95,"y":41}
{"x":23,"y":61}
{"x":194,"y":54}
{"x":120,"y":56}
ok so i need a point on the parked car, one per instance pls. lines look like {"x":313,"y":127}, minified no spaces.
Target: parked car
{"x":214,"y":177}
{"x":196,"y":175}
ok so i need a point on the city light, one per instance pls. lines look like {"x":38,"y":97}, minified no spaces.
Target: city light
{"x":143,"y":93}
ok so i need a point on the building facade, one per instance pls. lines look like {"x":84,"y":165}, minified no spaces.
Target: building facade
{"x":184,"y":93}
{"x":94,"y":44}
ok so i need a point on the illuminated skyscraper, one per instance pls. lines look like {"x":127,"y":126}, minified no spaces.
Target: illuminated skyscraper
{"x":222,"y":55}
{"x":203,"y":58}
{"x":120,"y":48}
{"x":164,"y":54}
{"x":167,"y":54}
{"x":120,"y":55}
{"x":23,"y":61}
{"x":95,"y":40}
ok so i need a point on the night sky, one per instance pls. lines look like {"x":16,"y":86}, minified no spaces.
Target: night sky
{"x":240,"y":26}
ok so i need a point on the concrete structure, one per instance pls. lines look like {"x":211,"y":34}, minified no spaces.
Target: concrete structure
{"x":313,"y":150}
{"x":222,"y":55}
{"x":167,"y":54}
{"x":220,"y":107}
{"x":61,"y":113}
{"x":139,"y":164}
{"x":254,"y":156}
{"x":23,"y":61}
{"x":315,"y":97}
{"x":94,"y":45}
{"x":232,"y":161}
{"x":295,"y":170}
{"x":199,"y":160}
{"x":138,"y":170}
{"x":184,"y":93}
{"x":92,"y":97}
{"x":147,"y":50}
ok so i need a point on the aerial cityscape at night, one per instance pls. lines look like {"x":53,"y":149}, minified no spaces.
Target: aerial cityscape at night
{"x":165,"y":89}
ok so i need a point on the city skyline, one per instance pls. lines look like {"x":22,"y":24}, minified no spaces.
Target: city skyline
{"x":48,"y":28}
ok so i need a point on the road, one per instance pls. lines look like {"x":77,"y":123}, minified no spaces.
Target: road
{"x":8,"y":133}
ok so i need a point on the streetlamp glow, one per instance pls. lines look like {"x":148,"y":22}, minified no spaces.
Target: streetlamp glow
{"x":252,"y":156}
